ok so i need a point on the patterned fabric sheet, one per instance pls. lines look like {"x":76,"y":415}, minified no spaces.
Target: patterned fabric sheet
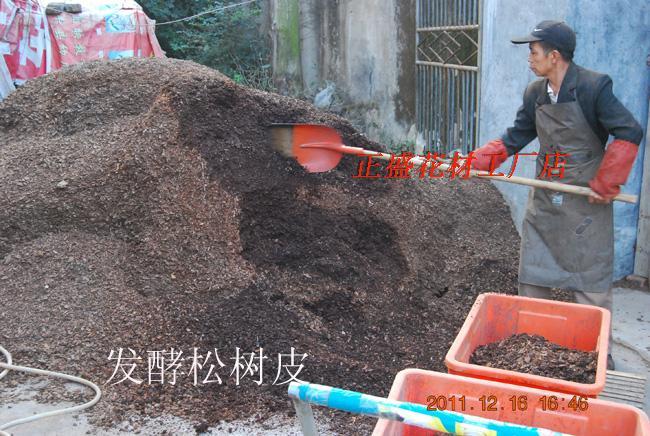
{"x":33,"y":43}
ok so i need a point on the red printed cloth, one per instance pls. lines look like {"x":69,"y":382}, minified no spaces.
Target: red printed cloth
{"x":24,"y":39}
{"x":33,"y":43}
{"x":103,"y":30}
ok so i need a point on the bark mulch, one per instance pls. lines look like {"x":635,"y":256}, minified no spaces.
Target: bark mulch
{"x":533,"y":354}
{"x":143,"y":208}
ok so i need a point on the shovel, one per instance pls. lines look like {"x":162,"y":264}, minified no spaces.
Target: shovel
{"x":320,"y":148}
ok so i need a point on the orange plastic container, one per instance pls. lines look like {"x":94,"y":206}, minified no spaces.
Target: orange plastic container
{"x":496,"y":316}
{"x":600,"y":418}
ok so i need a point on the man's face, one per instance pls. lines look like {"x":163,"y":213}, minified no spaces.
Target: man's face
{"x":540,"y":63}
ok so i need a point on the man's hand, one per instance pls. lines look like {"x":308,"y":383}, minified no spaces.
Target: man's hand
{"x":490,"y":156}
{"x":594,"y":198}
{"x":613,"y":171}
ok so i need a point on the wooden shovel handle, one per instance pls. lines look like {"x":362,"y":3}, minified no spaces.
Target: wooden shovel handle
{"x":556,"y":186}
{"x":335,"y":146}
{"x":535,"y":183}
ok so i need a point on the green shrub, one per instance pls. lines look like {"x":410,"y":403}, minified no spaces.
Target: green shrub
{"x":227,"y":40}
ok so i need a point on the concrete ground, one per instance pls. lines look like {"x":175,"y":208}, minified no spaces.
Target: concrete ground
{"x":630,"y":347}
{"x":631,"y":334}
{"x":77,"y":424}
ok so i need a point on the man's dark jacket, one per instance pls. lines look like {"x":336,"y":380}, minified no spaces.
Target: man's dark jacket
{"x":604,"y":113}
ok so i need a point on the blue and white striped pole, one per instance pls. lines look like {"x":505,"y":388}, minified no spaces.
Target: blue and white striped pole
{"x":408,"y":413}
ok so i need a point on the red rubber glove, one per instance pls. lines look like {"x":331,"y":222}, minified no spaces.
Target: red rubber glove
{"x":614,"y":169}
{"x":490,"y":156}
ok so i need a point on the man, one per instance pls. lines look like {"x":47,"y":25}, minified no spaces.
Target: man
{"x":567,"y":240}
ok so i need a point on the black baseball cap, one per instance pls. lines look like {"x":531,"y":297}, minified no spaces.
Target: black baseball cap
{"x":556,"y":33}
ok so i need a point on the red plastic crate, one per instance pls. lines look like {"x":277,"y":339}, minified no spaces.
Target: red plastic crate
{"x":602,"y":418}
{"x":496,"y":316}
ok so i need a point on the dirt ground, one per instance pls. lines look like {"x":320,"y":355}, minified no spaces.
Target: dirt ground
{"x":144,"y":208}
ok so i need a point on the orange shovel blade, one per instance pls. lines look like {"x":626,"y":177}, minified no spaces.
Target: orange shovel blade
{"x":317,"y":148}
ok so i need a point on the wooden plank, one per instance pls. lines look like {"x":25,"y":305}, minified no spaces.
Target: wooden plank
{"x":615,"y":400}
{"x":624,"y":384}
{"x":622,"y":379}
{"x":635,"y":394}
{"x":627,"y":395}
{"x":623,"y":396}
{"x":636,"y":391}
{"x":623,"y":387}
{"x":620,"y":399}
{"x":625,"y":390}
{"x":642,"y":256}
{"x":625,"y":375}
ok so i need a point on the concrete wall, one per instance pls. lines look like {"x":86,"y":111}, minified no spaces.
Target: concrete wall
{"x":612,"y":37}
{"x":365,"y":47}
{"x":642,"y":253}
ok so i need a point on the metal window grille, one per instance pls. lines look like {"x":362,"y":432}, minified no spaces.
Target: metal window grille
{"x":448,"y":57}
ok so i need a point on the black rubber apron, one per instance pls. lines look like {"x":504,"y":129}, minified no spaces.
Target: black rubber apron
{"x":567,"y":242}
